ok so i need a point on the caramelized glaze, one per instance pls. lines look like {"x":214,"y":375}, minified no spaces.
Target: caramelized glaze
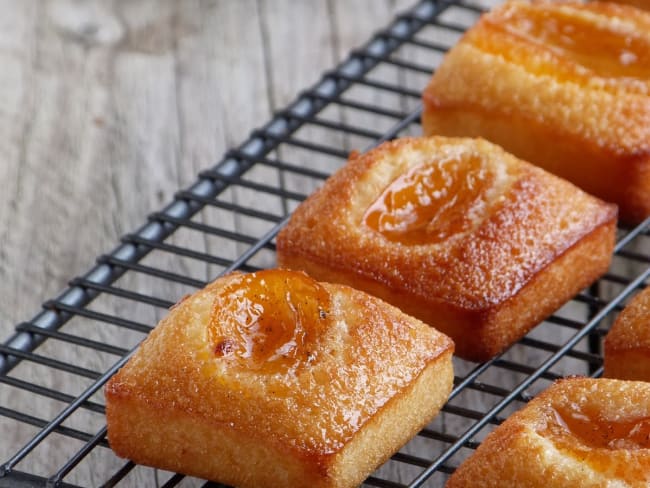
{"x":595,"y":432}
{"x":432,"y":201}
{"x":269,"y":319}
{"x":610,"y":49}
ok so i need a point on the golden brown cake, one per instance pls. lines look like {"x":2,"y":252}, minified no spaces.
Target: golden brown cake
{"x":580,"y":432}
{"x":273,"y":379}
{"x":627,"y":345}
{"x":563,"y":85}
{"x":455,"y":232}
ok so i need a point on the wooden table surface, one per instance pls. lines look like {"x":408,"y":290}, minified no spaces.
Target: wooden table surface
{"x":108,"y":108}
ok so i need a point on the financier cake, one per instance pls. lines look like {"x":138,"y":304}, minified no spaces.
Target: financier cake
{"x":562,"y":84}
{"x":582,"y":432}
{"x":272,"y":379}
{"x":627,"y":345}
{"x":456,"y":232}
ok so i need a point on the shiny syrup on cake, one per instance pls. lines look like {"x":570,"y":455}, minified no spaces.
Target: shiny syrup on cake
{"x":608,"y":47}
{"x":269,"y":319}
{"x":432,"y":201}
{"x":596,"y":432}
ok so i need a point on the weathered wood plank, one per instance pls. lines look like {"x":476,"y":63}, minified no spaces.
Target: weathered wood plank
{"x":107,"y":109}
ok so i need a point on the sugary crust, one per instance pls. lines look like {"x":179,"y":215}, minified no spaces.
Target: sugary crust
{"x":627,"y":345}
{"x":534,"y":448}
{"x":538,"y":242}
{"x":579,"y":109}
{"x":374,"y":377}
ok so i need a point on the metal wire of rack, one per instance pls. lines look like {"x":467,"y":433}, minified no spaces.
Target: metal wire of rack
{"x":236,"y":209}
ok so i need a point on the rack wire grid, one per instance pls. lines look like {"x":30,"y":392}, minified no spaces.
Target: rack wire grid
{"x":53,"y":408}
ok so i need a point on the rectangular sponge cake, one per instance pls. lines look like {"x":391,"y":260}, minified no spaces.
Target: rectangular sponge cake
{"x":456,"y":232}
{"x":272,"y":379}
{"x":562,"y":84}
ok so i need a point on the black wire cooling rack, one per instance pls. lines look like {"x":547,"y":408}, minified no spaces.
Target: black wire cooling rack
{"x":52,"y":407}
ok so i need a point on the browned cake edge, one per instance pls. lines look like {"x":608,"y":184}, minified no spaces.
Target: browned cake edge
{"x":627,"y":344}
{"x":180,"y":441}
{"x":642,"y":4}
{"x":481,"y":334}
{"x":627,"y":364}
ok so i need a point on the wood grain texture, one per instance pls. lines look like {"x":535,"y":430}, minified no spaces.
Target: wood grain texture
{"x":106,"y":110}
{"x":109,"y":107}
